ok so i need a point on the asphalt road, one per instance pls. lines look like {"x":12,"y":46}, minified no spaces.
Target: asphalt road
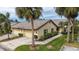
{"x":69,"y":48}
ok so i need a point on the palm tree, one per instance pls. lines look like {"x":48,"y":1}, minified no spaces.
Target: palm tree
{"x":7,"y":24}
{"x":30,"y":13}
{"x":2,"y":20}
{"x":70,"y":13}
{"x":4,"y":23}
{"x":61,"y":24}
{"x":59,"y":11}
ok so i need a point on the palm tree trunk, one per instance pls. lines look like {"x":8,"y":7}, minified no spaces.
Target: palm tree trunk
{"x":8,"y":29}
{"x":32,"y":24}
{"x":73,"y":31}
{"x":8,"y":36}
{"x":68,"y":31}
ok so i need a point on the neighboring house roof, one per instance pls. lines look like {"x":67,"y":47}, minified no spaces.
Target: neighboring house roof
{"x":37,"y":24}
{"x":13,"y":23}
{"x":57,"y":21}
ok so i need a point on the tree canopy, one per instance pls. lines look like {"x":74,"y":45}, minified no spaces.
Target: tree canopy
{"x":28,"y":12}
{"x":68,"y":12}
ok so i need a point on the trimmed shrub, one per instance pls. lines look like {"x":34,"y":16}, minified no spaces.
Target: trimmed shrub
{"x":41,"y":38}
{"x":64,"y":32}
{"x":20,"y":35}
{"x":48,"y":35}
{"x":54,"y":33}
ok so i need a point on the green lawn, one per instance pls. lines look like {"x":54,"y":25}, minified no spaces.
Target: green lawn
{"x":54,"y":45}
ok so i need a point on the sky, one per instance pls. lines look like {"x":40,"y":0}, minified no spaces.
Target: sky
{"x":47,"y":13}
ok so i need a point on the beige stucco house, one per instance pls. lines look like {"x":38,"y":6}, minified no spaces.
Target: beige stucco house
{"x":40,"y":27}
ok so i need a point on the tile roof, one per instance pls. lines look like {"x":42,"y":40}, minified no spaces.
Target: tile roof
{"x":27,"y":25}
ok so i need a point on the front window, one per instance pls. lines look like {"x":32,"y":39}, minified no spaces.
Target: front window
{"x":52,"y":30}
{"x":45,"y":32}
{"x":57,"y":29}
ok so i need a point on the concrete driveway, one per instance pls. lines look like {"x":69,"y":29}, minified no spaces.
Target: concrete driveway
{"x":6,"y":36}
{"x":12,"y":44}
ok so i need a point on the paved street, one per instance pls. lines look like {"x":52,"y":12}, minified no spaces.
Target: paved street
{"x":1,"y":49}
{"x":69,"y":48}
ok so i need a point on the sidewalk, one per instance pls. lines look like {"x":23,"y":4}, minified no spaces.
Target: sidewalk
{"x":48,"y":40}
{"x":69,"y":48}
